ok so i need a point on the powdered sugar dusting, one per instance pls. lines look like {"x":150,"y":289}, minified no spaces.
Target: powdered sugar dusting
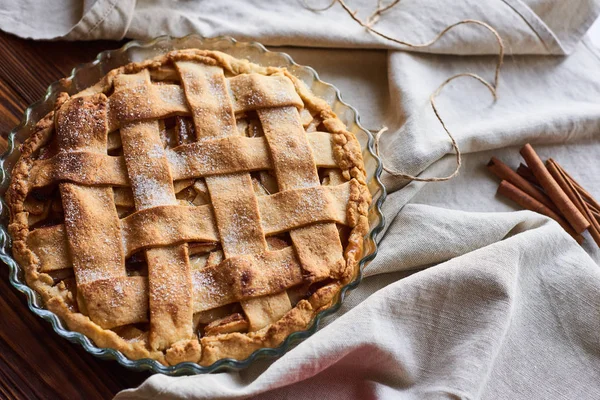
{"x":291,"y":152}
{"x":81,"y":125}
{"x":162,"y":291}
{"x":235,"y":238}
{"x":205,"y":285}
{"x":312,"y":202}
{"x":187,"y":161}
{"x":217,"y":89}
{"x":119,"y":288}
{"x":172,"y":94}
{"x":133,"y":103}
{"x":149,"y":192}
{"x":156,"y":151}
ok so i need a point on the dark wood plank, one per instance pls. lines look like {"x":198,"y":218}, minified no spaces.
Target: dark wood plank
{"x":28,"y":68}
{"x":11,"y":108}
{"x":34,"y":361}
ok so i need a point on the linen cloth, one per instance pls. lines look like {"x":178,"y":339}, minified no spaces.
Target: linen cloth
{"x":465,"y":299}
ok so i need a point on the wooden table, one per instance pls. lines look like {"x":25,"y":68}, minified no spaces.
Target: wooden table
{"x":34,"y":361}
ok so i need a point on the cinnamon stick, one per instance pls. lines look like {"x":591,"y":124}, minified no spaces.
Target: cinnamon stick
{"x":576,"y":198}
{"x":504,"y":172}
{"x":510,"y":191}
{"x":584,"y":193}
{"x":553,"y":190}
{"x":526,"y":173}
{"x":593,"y":209}
{"x":586,"y":196}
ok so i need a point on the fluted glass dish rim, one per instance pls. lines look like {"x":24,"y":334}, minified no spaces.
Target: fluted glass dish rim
{"x":86,"y":74}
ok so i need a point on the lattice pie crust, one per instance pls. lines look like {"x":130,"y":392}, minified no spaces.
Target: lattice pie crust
{"x":189,"y":208}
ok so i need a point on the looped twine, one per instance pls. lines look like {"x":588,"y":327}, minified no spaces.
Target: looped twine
{"x":492,"y":87}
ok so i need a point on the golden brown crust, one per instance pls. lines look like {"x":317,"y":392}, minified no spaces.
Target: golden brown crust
{"x":183,"y":350}
{"x":345,"y":152}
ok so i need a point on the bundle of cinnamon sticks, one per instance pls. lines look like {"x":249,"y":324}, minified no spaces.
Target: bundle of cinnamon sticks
{"x":548,"y":189}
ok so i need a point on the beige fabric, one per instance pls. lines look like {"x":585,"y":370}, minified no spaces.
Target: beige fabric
{"x":528,"y":26}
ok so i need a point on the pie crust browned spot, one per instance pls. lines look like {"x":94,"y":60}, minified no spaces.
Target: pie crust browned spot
{"x":191,"y":207}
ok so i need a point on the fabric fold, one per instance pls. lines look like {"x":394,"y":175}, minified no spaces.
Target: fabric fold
{"x":70,"y":19}
{"x":526,"y":26}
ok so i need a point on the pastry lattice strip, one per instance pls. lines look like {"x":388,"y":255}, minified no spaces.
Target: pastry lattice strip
{"x":193,"y":160}
{"x":91,"y":221}
{"x":169,"y":271}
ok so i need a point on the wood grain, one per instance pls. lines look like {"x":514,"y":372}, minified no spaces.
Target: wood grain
{"x":34,"y":361}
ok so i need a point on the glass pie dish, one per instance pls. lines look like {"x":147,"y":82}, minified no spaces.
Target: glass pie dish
{"x":88,"y":74}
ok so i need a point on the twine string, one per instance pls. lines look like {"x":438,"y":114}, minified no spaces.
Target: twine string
{"x":492,"y":87}
{"x":308,"y":7}
{"x":372,"y":20}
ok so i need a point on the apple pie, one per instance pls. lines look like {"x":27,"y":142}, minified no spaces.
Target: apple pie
{"x":190,"y":207}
